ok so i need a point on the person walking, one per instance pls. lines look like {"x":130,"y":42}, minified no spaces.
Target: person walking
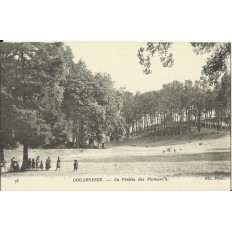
{"x":33,"y":164}
{"x":75,"y":165}
{"x":3,"y":164}
{"x":29,"y":164}
{"x":37,"y":163}
{"x":14,"y":165}
{"x":48,"y":163}
{"x":41,"y":165}
{"x":58,"y":163}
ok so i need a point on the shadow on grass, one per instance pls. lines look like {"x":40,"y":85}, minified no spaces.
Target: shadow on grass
{"x":209,"y":156}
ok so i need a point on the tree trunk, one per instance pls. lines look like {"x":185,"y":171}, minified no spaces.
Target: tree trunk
{"x":189,"y":121}
{"x":76,"y":143}
{"x":209,"y":119}
{"x":195,"y":120}
{"x":90,"y":142}
{"x":206,"y":121}
{"x":1,"y":154}
{"x":73,"y":139}
{"x":199,"y":122}
{"x":186,"y":116}
{"x":128,"y":131}
{"x":218,"y":124}
{"x":81,"y":134}
{"x":165,"y":125}
{"x":25,"y":158}
{"x":136,"y":127}
{"x":181,"y":131}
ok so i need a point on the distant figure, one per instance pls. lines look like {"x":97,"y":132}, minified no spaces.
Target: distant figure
{"x":14,"y":166}
{"x":12,"y":160}
{"x":189,"y":142}
{"x":168,"y":149}
{"x":41,"y":166}
{"x":163,"y":151}
{"x":148,"y":146}
{"x":58,"y":163}
{"x":37,"y":163}
{"x":33,"y":164}
{"x":180,"y":149}
{"x":200,"y":143}
{"x":174,"y":150}
{"x":133,"y":145}
{"x":3,"y":164}
{"x":29,"y":164}
{"x":75,"y":165}
{"x":48,"y":163}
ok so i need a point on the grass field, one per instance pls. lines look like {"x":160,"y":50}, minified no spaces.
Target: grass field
{"x":185,"y":169}
{"x":190,"y":158}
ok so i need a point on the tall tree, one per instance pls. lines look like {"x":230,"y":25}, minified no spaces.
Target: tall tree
{"x":7,"y":110}
{"x":37,"y":72}
{"x":79,"y":93}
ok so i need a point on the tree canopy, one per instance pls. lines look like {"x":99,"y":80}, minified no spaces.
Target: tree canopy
{"x":217,"y":65}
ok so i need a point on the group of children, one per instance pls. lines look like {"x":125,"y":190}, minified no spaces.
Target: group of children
{"x":37,"y":164}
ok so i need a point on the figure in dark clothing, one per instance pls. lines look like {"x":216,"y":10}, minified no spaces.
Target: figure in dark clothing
{"x":29,"y":164}
{"x":75,"y":165}
{"x":12,"y":160}
{"x":48,"y":164}
{"x":37,"y":162}
{"x":3,"y":165}
{"x":58,"y":163}
{"x":41,"y":166}
{"x":33,"y":164}
{"x":14,"y":165}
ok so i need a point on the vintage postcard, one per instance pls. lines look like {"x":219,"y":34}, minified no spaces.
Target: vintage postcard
{"x":115,"y":116}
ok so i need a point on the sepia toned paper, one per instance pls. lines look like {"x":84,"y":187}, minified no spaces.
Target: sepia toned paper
{"x":115,"y":116}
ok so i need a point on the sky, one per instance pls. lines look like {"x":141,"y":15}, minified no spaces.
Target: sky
{"x":119,"y":59}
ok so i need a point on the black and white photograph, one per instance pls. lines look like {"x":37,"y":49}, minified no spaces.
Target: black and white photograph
{"x":115,"y":115}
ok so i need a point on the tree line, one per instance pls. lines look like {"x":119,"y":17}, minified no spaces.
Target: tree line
{"x":178,"y":108}
{"x":49,"y":101}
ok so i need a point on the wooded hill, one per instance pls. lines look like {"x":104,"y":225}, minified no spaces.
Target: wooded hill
{"x":178,"y":107}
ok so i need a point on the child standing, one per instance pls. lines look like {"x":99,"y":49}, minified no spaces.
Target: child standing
{"x":37,"y":163}
{"x":33,"y":164}
{"x":29,"y":164}
{"x":75,"y":165}
{"x":41,"y":165}
{"x":48,"y":163}
{"x":58,"y":163}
